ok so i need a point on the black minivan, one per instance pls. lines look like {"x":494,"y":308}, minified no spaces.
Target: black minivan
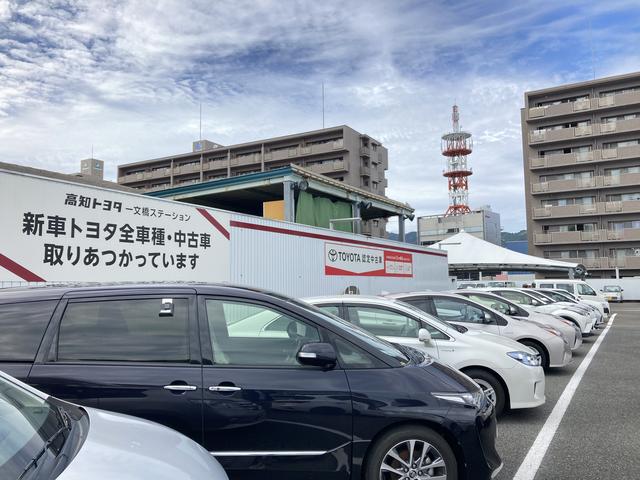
{"x":271,"y":386}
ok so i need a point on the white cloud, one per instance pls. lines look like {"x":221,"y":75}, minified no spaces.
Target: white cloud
{"x":127,"y":77}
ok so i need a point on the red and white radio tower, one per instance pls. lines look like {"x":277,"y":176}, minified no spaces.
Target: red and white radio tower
{"x":456,"y":145}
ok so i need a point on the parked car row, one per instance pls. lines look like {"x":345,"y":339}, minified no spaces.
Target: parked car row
{"x":402,"y":386}
{"x":270,"y":386}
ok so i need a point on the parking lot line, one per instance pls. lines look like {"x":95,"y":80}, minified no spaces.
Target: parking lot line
{"x":531,"y":463}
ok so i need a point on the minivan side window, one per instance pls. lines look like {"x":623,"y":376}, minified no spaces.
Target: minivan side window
{"x":248,"y":334}
{"x":584,"y":289}
{"x":124,"y":331}
{"x":22,"y":326}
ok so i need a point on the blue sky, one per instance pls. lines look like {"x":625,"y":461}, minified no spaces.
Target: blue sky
{"x":128,"y":76}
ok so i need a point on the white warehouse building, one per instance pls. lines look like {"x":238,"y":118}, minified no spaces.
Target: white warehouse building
{"x":482,"y":223}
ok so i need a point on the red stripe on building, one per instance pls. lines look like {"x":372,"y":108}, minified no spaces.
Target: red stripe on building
{"x":19,"y":270}
{"x":215,"y":223}
{"x":298,"y":233}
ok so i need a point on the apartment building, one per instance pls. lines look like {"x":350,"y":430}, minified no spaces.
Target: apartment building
{"x":339,"y":152}
{"x":581,"y":146}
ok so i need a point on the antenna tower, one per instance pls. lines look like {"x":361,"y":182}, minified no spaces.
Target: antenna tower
{"x":456,"y":145}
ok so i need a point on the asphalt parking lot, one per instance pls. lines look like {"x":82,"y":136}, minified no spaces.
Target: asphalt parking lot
{"x":597,"y":435}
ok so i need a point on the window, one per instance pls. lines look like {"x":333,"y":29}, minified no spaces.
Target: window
{"x":517,"y":297}
{"x":565,"y":286}
{"x":332,"y":309}
{"x":384,"y":322}
{"x":584,"y":289}
{"x":250,"y":334}
{"x":22,"y":326}
{"x":451,"y":310}
{"x":567,"y":176}
{"x":493,"y":303}
{"x":351,"y":356}
{"x":125,"y":331}
{"x":625,"y":197}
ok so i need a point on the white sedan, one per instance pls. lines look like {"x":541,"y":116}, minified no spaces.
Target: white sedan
{"x":509,"y":372}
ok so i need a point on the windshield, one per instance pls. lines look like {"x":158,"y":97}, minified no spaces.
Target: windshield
{"x":27,"y":424}
{"x":539,"y":296}
{"x":584,"y":289}
{"x":558,"y":297}
{"x":611,"y":288}
{"x":374,"y":342}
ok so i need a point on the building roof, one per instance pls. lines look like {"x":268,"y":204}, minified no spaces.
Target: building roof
{"x":467,"y":252}
{"x":94,"y":182}
{"x":254,"y":143}
{"x":588,"y":83}
{"x":317,"y":182}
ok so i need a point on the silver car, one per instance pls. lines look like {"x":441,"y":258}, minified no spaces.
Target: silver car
{"x":44,"y":438}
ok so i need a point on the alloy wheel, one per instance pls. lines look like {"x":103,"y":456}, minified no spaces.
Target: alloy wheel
{"x":488,"y":390}
{"x":413,"y":460}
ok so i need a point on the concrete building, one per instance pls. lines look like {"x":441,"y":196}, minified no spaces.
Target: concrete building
{"x":339,"y":152}
{"x":92,"y":168}
{"x":581,"y":145}
{"x":482,"y":223}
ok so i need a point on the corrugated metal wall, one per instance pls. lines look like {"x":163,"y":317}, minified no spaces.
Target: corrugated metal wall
{"x":294,"y":265}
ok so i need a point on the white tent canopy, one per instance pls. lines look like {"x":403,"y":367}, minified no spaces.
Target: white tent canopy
{"x":467,"y":252}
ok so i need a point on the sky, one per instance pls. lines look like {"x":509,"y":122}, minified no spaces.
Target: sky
{"x":125,"y":79}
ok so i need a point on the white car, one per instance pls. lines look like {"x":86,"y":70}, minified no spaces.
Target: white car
{"x":565,"y":298}
{"x":581,"y":289}
{"x":584,"y":320}
{"x":613,"y":293}
{"x":509,"y":372}
{"x":569,"y":330}
{"x":549,"y":343}
{"x":44,"y":438}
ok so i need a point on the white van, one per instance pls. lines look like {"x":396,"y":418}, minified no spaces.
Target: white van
{"x":581,"y":289}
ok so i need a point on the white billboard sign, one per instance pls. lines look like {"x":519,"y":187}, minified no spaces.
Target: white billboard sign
{"x":61,"y":231}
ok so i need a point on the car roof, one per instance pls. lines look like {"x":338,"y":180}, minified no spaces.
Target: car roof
{"x":55,"y":291}
{"x":344,"y":298}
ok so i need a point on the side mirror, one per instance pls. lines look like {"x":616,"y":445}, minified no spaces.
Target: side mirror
{"x":487,"y":317}
{"x":317,"y":355}
{"x":535,"y":302}
{"x":513,"y":311}
{"x":602,"y":289}
{"x":166,"y":308}
{"x":424,"y":335}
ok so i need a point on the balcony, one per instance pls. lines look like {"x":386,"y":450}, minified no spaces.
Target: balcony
{"x":600,"y":208}
{"x":365,"y":171}
{"x":595,"y":156}
{"x":328,"y":167}
{"x":131,"y":177}
{"x":596,"y":236}
{"x":593,"y":104}
{"x":577,"y":184}
{"x":365,"y":152}
{"x":594,"y":263}
{"x":624,"y":262}
{"x":572,"y":133}
{"x":184,"y":169}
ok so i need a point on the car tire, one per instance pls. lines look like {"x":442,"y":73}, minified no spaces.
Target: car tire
{"x":540,"y":350}
{"x":488,"y":381}
{"x":438,"y":452}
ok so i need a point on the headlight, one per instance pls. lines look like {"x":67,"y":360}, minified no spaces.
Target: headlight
{"x":526,"y":358}
{"x":553,"y":331}
{"x":467,"y":399}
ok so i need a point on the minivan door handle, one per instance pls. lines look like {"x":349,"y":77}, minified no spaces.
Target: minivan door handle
{"x":180,"y":387}
{"x":224,"y":388}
